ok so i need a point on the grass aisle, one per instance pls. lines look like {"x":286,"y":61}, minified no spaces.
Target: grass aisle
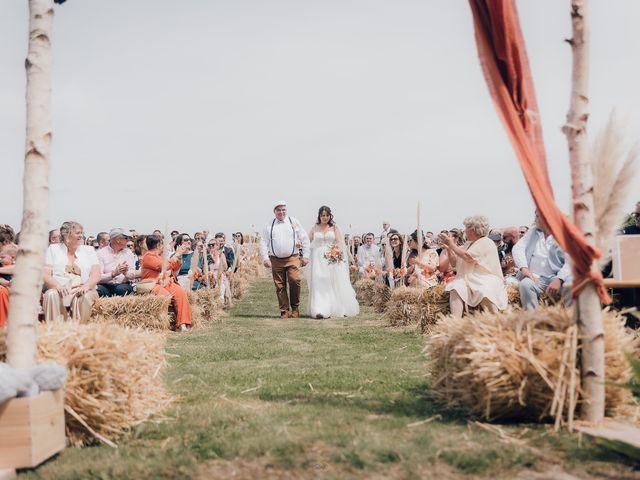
{"x":264,"y":398}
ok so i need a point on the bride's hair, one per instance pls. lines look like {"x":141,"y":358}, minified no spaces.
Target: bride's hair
{"x":325,"y":209}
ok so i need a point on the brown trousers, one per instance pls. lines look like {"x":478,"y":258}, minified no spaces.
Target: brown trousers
{"x":283,"y":270}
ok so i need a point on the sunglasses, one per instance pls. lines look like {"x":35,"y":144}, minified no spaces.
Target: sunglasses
{"x":211,"y":245}
{"x":395,"y":239}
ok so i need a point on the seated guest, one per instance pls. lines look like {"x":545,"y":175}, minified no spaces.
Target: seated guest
{"x":8,"y":255}
{"x":229,"y":255}
{"x":71,"y":273}
{"x":117,"y":266}
{"x":423,"y":271}
{"x":396,"y":269}
{"x":447,"y":271}
{"x":139,"y":249}
{"x":191,"y":266}
{"x":510,"y":237}
{"x":542,"y":265}
{"x":150,"y":273}
{"x":369,"y":258}
{"x":478,"y":279}
{"x":7,"y":235}
{"x":103,"y":239}
{"x":54,"y":236}
{"x":239,"y":249}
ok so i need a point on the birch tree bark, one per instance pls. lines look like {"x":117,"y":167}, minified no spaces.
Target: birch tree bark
{"x":26,"y":286}
{"x":575,"y":129}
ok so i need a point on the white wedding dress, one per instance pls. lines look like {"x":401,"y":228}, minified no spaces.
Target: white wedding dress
{"x":330,"y":290}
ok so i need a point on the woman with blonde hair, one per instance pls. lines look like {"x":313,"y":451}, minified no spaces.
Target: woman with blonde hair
{"x":478,"y":279}
{"x":71,"y":273}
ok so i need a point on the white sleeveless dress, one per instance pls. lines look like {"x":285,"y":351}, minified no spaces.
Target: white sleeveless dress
{"x":330,"y":290}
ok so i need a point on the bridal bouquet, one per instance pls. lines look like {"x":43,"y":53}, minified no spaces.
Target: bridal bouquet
{"x":334,"y":254}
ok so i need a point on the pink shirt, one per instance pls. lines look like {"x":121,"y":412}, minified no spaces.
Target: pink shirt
{"x":109,"y":260}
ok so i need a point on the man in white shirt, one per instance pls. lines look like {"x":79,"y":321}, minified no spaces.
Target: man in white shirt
{"x":542,"y":265}
{"x":386,"y":227}
{"x":117,"y":266}
{"x":369,"y":257}
{"x":281,"y":241}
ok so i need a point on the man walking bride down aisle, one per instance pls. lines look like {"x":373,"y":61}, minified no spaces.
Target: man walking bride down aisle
{"x":330,"y":290}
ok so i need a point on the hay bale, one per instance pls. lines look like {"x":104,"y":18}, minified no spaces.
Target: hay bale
{"x":114,"y":376}
{"x":403,"y":307}
{"x":364,"y":291}
{"x":239,"y":286}
{"x":434,"y":303}
{"x":381,"y":295}
{"x":206,"y":306}
{"x":147,"y":311}
{"x":520,"y":365}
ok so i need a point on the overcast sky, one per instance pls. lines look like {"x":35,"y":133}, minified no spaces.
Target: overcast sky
{"x":201,"y":113}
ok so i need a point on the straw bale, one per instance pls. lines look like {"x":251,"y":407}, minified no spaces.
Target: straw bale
{"x":364,"y":290}
{"x":114,"y":376}
{"x":380,"y":297}
{"x":147,"y":311}
{"x":403,"y":307}
{"x":433,"y":304}
{"x":208,"y":304}
{"x":521,"y":365}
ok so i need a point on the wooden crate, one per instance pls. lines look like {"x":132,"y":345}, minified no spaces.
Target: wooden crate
{"x":626,"y":257}
{"x":31,"y":429}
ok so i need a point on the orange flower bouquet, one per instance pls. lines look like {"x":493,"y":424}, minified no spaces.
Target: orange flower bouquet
{"x":334,"y":254}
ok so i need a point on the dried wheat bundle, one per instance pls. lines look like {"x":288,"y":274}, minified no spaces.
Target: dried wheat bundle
{"x":147,"y":311}
{"x":520,"y":365}
{"x":239,"y":286}
{"x":364,"y":290}
{"x":380,"y":297}
{"x":434,"y":303}
{"x":114,"y":377}
{"x":614,"y":167}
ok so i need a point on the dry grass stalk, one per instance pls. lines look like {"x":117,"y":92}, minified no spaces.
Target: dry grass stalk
{"x":614,"y":168}
{"x":364,"y":290}
{"x":380,"y":297}
{"x":521,"y":365}
{"x":146,"y":311}
{"x":114,"y":376}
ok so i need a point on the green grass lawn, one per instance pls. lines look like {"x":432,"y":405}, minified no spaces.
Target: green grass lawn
{"x":259,"y":397}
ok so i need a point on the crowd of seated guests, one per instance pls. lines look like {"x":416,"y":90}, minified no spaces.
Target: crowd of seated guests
{"x":475,"y":264}
{"x":78,"y":269}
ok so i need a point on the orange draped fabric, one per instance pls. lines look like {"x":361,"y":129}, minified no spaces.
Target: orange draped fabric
{"x":504,"y":61}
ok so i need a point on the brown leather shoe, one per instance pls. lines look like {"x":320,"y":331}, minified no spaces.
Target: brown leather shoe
{"x":284,"y":315}
{"x":295,"y":313}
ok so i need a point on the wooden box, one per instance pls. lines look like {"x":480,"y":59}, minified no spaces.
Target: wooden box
{"x":31,"y":429}
{"x":626,"y":257}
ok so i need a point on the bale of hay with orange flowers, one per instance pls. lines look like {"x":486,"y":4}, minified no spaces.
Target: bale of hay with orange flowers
{"x":364,"y":290}
{"x":114,"y":376}
{"x":521,"y":365}
{"x":380,"y":297}
{"x":146,"y":311}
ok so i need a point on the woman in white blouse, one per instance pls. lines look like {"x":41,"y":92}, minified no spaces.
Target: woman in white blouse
{"x":71,"y":273}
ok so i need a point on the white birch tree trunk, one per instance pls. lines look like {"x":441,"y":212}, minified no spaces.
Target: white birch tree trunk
{"x":26,"y":286}
{"x":575,"y":129}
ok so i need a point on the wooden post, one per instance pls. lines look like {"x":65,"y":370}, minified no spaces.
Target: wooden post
{"x":26,"y":286}
{"x":575,"y":129}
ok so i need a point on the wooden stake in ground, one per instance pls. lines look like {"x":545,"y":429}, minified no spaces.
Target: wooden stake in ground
{"x":26,"y":286}
{"x":575,"y":129}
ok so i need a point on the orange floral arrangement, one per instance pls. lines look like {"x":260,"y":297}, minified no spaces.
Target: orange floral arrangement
{"x":334,"y":254}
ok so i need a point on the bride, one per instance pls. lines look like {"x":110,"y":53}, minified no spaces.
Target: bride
{"x":330,"y":290}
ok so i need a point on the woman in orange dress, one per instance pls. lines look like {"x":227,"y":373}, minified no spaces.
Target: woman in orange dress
{"x":150,"y":272}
